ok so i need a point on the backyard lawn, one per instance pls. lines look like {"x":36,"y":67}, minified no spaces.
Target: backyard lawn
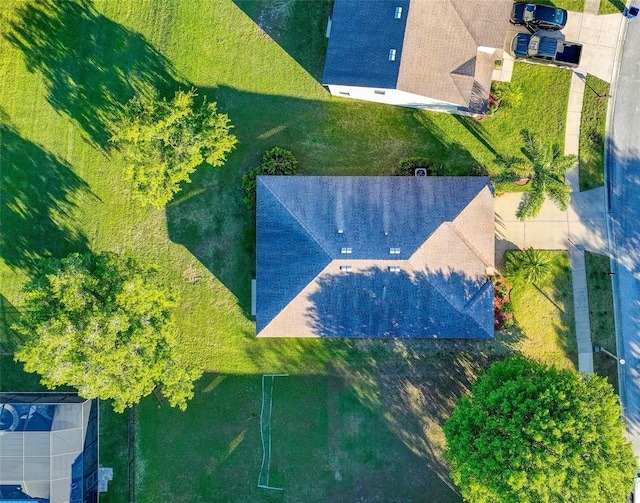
{"x":374,"y":409}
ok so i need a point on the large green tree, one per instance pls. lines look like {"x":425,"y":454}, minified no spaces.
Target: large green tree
{"x":163,"y":142}
{"x":534,"y":434}
{"x":103,"y":324}
{"x":545,"y":166}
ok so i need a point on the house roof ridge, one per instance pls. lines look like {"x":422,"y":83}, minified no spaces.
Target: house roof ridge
{"x":468,"y":307}
{"x":295,"y":217}
{"x":283,"y":312}
{"x":468,"y":243}
{"x":460,"y":309}
{"x":463,"y":20}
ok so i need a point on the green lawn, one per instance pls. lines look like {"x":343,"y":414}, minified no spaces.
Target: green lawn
{"x":574,"y":5}
{"x":334,"y":437}
{"x":67,"y":68}
{"x":544,"y":313}
{"x":592,"y":129}
{"x":603,"y":330}
{"x":63,"y":191}
{"x":611,"y":6}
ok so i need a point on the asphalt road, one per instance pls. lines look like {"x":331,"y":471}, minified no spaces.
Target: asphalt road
{"x":624,"y":203}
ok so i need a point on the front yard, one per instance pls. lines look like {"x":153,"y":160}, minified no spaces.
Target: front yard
{"x":371,"y":412}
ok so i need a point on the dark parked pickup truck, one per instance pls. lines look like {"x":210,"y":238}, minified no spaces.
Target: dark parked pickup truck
{"x":546,"y":50}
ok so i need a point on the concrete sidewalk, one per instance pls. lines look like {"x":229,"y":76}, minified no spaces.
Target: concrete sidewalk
{"x":581,"y":309}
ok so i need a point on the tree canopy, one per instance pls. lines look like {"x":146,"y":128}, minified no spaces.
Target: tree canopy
{"x":103,"y":324}
{"x":545,"y":166}
{"x":534,"y":434}
{"x":163,"y":142}
{"x":275,"y":161}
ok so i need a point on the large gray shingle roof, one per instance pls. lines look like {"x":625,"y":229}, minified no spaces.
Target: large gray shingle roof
{"x":442,"y":228}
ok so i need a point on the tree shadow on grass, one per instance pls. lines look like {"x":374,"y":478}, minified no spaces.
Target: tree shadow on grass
{"x":90,"y":65}
{"x":39,"y":193}
{"x":14,"y":378}
{"x":477,"y":130}
{"x":327,"y":443}
{"x":562,"y":288}
{"x":617,"y":4}
{"x":298,"y":26}
{"x":8,"y":316}
{"x":412,"y":385}
{"x":452,"y":158}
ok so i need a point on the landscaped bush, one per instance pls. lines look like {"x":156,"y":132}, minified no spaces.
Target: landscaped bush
{"x":507,"y":307}
{"x":507,"y":94}
{"x":503,"y":313}
{"x":407,"y":167}
{"x":276,"y":161}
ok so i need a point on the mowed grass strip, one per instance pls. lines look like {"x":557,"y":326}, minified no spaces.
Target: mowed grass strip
{"x":592,"y":129}
{"x":601,"y":318}
{"x":544,"y":314}
{"x":611,"y":6}
{"x":572,"y":5}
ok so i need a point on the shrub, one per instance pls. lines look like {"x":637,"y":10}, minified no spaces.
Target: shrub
{"x":406,"y":167}
{"x":508,"y":323}
{"x":509,"y":94}
{"x":507,"y":308}
{"x":276,"y":161}
{"x":279,"y":161}
{"x":502,"y":288}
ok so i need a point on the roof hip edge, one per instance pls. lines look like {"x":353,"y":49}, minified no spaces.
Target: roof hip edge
{"x":295,"y":217}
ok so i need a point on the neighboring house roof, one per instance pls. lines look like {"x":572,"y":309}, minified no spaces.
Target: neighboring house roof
{"x":48,"y":448}
{"x":325,"y":267}
{"x":362,"y":34}
{"x":440,"y":55}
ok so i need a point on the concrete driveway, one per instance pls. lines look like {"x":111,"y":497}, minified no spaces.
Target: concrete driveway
{"x":599,"y":37}
{"x":583,"y":224}
{"x":597,"y":34}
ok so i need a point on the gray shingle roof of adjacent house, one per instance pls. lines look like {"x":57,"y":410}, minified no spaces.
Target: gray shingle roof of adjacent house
{"x":374,"y":257}
{"x":362,"y":34}
{"x":443,"y":47}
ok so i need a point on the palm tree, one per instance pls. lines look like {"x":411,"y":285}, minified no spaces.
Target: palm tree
{"x":509,"y":94}
{"x":528,"y":265}
{"x":545,"y":166}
